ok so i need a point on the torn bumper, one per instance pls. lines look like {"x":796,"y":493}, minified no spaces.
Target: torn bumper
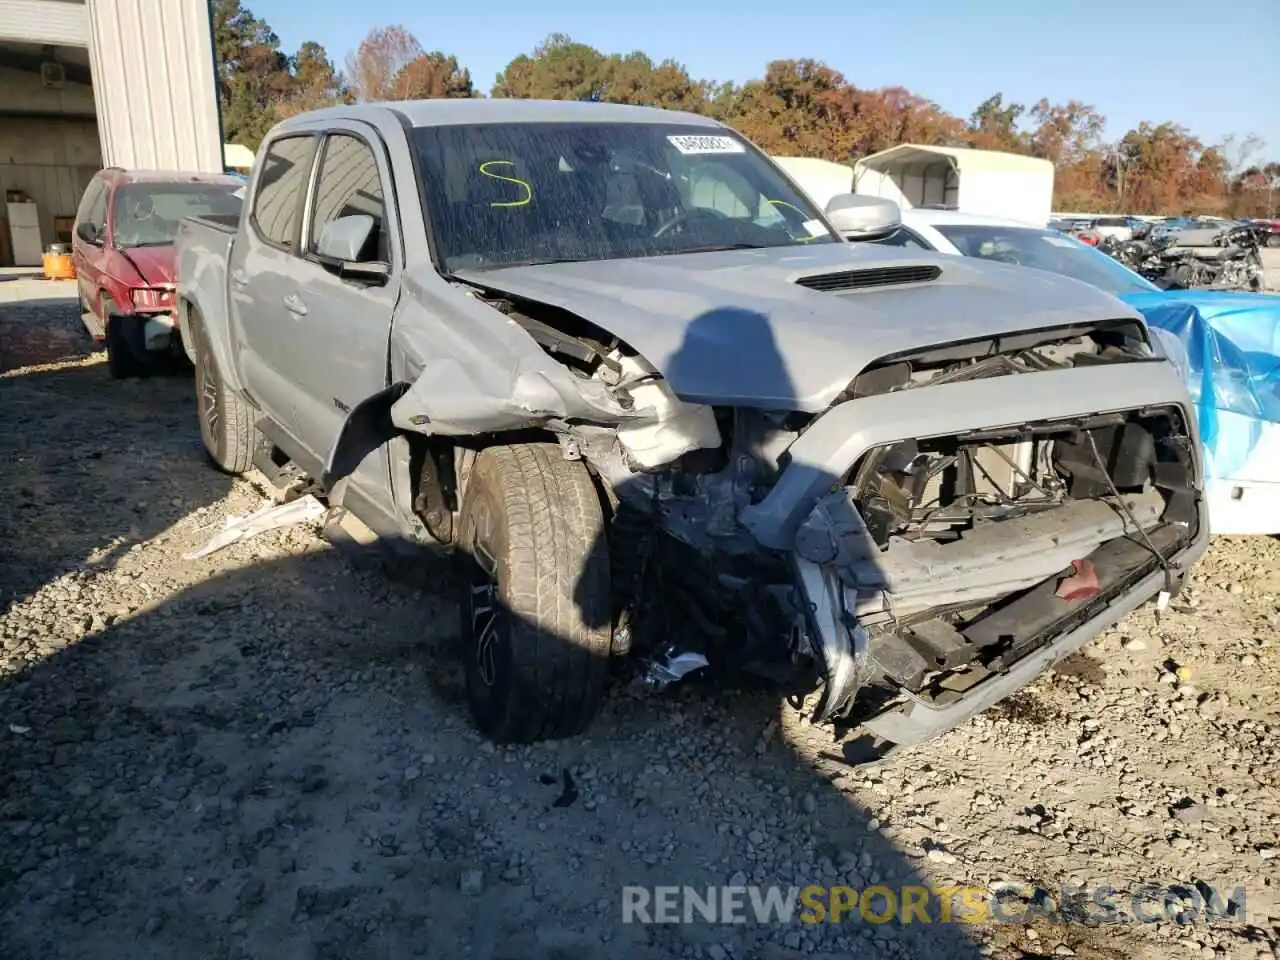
{"x":917,"y":722}
{"x":844,"y":581}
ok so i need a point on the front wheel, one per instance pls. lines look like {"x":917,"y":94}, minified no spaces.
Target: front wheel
{"x":226,"y":419}
{"x":534,"y":573}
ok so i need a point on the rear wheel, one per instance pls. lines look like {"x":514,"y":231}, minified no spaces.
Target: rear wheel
{"x":226,"y":419}
{"x":534,"y":572}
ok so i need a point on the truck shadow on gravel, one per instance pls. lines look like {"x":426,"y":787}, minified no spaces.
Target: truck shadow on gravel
{"x":277,"y":761}
{"x":270,"y":764}
{"x":92,"y":466}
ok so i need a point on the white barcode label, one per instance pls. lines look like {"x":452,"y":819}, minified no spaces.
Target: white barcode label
{"x":688,"y":143}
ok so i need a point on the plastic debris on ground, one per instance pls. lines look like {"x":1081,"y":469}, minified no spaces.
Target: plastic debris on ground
{"x":670,"y":667}
{"x":1082,"y":584}
{"x":272,"y":516}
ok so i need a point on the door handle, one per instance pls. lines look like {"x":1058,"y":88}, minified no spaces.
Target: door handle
{"x":239,"y":277}
{"x":293,"y":303}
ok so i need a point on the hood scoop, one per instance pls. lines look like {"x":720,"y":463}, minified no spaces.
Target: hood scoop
{"x":871,"y":277}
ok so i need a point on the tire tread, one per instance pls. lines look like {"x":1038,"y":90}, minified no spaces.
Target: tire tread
{"x":233,"y":450}
{"x":556,"y":589}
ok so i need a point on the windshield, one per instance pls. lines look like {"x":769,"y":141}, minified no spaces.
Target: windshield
{"x":1045,"y":250}
{"x":147,"y":214}
{"x":520,"y":193}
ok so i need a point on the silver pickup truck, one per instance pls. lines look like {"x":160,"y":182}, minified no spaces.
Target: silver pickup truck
{"x":668,"y":419}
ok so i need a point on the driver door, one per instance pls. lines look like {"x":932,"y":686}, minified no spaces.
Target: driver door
{"x":346,"y":322}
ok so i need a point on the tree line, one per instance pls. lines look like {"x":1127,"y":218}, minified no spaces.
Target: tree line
{"x":798,"y":108}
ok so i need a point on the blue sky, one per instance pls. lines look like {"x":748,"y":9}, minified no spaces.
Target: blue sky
{"x":1213,"y":67}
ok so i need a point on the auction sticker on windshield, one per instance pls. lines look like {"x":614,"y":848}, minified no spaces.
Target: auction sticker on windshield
{"x":691,"y":144}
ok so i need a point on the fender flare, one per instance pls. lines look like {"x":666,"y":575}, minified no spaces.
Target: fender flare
{"x":368,"y":426}
{"x":217,"y":337}
{"x":184,"y":331}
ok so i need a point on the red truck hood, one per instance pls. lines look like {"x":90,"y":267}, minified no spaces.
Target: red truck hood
{"x":156,"y":265}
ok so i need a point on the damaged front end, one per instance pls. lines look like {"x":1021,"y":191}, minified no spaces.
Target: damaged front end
{"x":956,"y":521}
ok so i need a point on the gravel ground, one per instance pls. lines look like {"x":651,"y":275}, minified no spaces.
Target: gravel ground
{"x":265,"y":752}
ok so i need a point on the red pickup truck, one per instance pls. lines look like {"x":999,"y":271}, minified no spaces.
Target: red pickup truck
{"x":122,"y":248}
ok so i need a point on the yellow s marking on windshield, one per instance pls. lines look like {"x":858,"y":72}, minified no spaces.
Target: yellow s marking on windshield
{"x":783,"y":203}
{"x":528,"y":190}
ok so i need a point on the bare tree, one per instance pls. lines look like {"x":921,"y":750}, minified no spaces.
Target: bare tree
{"x":1239,"y":154}
{"x":373,"y":68}
{"x":432,"y":75}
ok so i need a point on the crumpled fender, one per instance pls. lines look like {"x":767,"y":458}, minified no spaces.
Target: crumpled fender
{"x":472,"y":369}
{"x":455,"y":399}
{"x":458,"y":367}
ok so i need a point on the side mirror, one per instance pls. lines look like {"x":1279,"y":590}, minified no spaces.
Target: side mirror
{"x":346,"y":237}
{"x":862,"y":218}
{"x":87,"y":232}
{"x":341,"y":243}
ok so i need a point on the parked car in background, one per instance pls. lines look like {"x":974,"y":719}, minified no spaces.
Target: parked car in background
{"x":1268,"y":232}
{"x":1173,"y":228}
{"x":122,"y":247}
{"x":1087,"y":234}
{"x":1114,"y":228}
{"x":1009,"y":241}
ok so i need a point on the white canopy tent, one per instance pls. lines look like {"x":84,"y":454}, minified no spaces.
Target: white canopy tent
{"x":988,"y":182}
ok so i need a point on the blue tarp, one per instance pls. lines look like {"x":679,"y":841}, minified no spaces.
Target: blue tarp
{"x":1231,"y":345}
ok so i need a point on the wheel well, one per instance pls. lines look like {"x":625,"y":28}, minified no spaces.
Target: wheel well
{"x":439,"y":468}
{"x":188,"y":313}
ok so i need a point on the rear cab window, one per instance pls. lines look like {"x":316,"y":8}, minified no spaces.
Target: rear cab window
{"x":277,"y":203}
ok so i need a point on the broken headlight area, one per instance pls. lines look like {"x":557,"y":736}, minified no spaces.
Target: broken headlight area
{"x":935,"y":564}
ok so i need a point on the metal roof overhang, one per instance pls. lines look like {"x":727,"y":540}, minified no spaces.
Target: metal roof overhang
{"x":63,"y":23}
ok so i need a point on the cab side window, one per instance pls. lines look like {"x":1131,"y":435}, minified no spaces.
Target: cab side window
{"x":348,"y":185}
{"x":277,"y":205}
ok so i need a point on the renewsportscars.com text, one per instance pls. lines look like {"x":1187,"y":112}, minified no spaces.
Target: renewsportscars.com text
{"x":1003,"y":903}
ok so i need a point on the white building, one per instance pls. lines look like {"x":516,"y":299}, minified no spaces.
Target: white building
{"x":91,"y":83}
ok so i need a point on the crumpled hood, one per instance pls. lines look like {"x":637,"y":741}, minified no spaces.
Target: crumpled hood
{"x":157,"y":265}
{"x":734,"y":328}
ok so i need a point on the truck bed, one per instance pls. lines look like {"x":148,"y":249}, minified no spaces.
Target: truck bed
{"x":201,"y":250}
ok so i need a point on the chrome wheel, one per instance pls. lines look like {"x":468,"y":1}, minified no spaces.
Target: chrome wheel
{"x":483,"y":601}
{"x":208,"y":398}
